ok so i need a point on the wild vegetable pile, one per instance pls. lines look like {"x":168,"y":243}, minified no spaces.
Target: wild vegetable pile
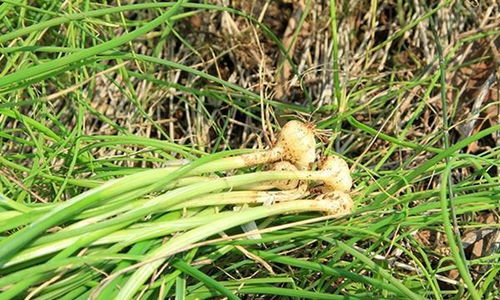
{"x":54,"y":250}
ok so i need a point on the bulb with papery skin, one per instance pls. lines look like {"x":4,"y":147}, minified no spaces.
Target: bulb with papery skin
{"x":336,"y":174}
{"x":297,"y":144}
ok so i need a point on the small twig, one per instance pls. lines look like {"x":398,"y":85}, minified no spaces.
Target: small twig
{"x":76,"y":86}
{"x":478,"y":104}
{"x":22,"y":186}
{"x":403,"y":266}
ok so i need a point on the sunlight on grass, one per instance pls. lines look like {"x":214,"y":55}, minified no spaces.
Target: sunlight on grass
{"x":126,"y":132}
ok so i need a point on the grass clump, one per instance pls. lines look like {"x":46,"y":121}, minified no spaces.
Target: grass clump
{"x":129,"y":133}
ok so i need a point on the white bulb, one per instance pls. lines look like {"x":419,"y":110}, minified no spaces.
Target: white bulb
{"x":337,"y":174}
{"x":298,"y":145}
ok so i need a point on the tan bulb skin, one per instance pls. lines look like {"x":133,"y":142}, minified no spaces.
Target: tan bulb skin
{"x":297,"y":144}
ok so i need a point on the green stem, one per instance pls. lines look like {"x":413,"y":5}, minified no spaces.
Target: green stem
{"x":209,"y":281}
{"x":12,"y":219}
{"x":157,"y":229}
{"x":124,"y":237}
{"x":18,"y":207}
{"x":240,"y":197}
{"x":174,"y":197}
{"x":327,"y":270}
{"x":86,"y":53}
{"x":180,"y":242}
{"x":433,"y":161}
{"x":455,"y":252}
{"x":72,"y":207}
{"x":69,"y":263}
{"x":68,"y":251}
{"x":69,"y":208}
{"x":377,"y":269}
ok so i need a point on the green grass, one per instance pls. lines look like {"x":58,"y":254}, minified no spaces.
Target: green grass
{"x":95,"y":91}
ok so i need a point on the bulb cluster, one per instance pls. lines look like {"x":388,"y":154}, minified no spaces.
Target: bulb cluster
{"x":297,"y":148}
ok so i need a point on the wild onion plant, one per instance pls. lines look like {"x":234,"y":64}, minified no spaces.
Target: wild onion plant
{"x":169,"y":203}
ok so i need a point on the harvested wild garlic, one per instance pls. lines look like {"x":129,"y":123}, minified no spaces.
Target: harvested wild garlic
{"x":201,"y":196}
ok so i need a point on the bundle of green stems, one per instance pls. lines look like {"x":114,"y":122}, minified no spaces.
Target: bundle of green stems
{"x":47,"y":250}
